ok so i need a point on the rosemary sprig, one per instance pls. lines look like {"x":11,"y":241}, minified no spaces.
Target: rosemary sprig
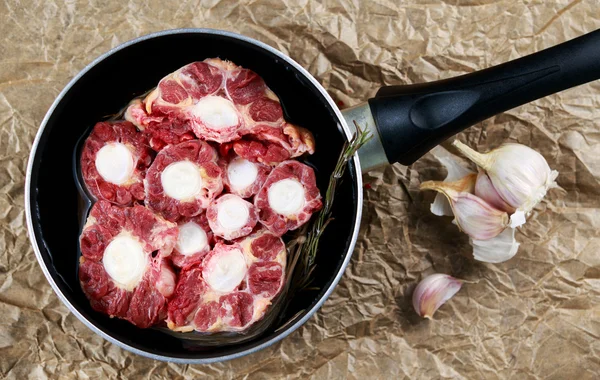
{"x":303,"y":249}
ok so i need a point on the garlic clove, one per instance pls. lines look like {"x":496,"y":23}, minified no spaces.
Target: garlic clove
{"x":456,"y":170}
{"x":473,"y":215}
{"x":496,"y":250}
{"x":485,"y":190}
{"x":520,"y":175}
{"x":432,"y":292}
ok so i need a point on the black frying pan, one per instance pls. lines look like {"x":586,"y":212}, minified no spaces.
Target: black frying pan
{"x":406,"y":122}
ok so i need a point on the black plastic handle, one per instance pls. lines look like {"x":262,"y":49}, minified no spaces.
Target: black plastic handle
{"x":413,"y":119}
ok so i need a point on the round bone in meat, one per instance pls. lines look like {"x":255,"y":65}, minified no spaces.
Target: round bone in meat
{"x":124,"y":261}
{"x":288,"y":197}
{"x":224,"y":268}
{"x":194,"y":241}
{"x":232,"y":288}
{"x":220,"y":102}
{"x":216,"y":113}
{"x":243,"y":177}
{"x":118,"y":271}
{"x":183,"y":180}
{"x":231,"y":217}
{"x":114,"y":161}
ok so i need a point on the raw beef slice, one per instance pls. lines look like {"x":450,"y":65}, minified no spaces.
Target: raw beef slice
{"x":183,"y":180}
{"x":243,"y":177}
{"x":219,"y":101}
{"x":194,"y":241}
{"x":232,"y":288}
{"x":118,"y":271}
{"x":231,"y":217}
{"x":114,"y":161}
{"x":288,"y":197}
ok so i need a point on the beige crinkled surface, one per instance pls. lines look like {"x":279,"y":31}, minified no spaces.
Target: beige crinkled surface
{"x":536,"y":316}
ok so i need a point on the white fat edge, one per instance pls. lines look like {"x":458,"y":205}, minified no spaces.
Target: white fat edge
{"x":271,"y":95}
{"x":279,"y":200}
{"x":261,"y":305}
{"x":456,"y":169}
{"x":135,"y":103}
{"x":206,"y":110}
{"x":241,"y":173}
{"x":150,"y":99}
{"x":142,"y":260}
{"x":192,"y":239}
{"x":224,"y":65}
{"x":497,"y":249}
{"x":89,"y":222}
{"x":233,"y":213}
{"x":183,"y":329}
{"x":247,"y":251}
{"x":281,"y":258}
{"x":180,"y":175}
{"x":107,"y":157}
{"x":217,"y":326}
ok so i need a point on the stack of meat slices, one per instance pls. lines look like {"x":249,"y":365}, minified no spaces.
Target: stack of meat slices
{"x":194,"y":190}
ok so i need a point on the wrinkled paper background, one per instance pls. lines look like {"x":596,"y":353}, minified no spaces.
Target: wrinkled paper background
{"x":533,"y":317}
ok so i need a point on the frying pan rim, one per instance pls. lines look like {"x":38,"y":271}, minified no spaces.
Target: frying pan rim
{"x":289,"y":329}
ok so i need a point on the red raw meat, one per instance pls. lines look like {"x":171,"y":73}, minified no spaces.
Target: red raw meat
{"x":187,"y":297}
{"x":124,"y":136}
{"x":264,"y":245}
{"x":225,"y":222}
{"x":271,"y":145}
{"x":236,"y":177}
{"x":142,"y":298}
{"x":302,"y":178}
{"x":200,"y":171}
{"x":190,"y":247}
{"x":237,"y":309}
{"x":233,"y":286}
{"x":265,"y":278}
{"x":219,"y":101}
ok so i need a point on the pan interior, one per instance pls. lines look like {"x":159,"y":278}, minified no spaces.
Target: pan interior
{"x":104,"y":90}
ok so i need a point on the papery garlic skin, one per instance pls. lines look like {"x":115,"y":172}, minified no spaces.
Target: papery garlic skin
{"x":520,"y":175}
{"x":473,"y":215}
{"x":496,"y":250}
{"x":456,"y":170}
{"x":432,"y":292}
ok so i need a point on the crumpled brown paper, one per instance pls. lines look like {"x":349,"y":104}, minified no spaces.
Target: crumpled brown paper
{"x":533,"y":317}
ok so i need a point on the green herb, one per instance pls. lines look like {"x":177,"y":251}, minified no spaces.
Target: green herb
{"x":303,"y":249}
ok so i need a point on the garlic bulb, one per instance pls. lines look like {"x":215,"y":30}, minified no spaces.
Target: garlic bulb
{"x":432,"y":292}
{"x":520,"y":175}
{"x":456,"y":170}
{"x":496,"y":250}
{"x":473,"y":215}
